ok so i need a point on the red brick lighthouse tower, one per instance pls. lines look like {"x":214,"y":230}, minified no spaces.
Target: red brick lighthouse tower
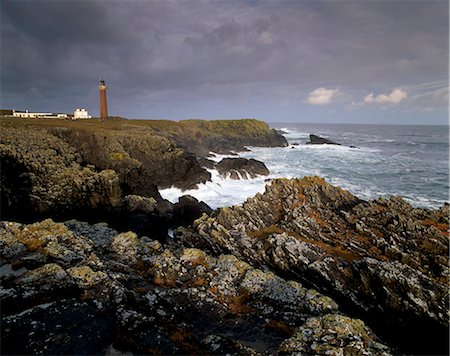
{"x":103,"y":105}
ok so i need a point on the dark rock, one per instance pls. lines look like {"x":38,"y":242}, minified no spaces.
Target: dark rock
{"x":189,"y":209}
{"x":206,"y":163}
{"x":317,"y":140}
{"x":41,"y":175}
{"x":242,"y":168}
{"x":60,"y":327}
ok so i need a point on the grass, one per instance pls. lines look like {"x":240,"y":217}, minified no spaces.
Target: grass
{"x":186,"y":128}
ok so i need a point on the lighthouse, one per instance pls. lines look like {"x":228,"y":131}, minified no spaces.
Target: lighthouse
{"x":103,"y":105}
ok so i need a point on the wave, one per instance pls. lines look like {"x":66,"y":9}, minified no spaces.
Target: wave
{"x":219,"y":192}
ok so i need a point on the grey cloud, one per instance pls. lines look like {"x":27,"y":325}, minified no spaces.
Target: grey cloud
{"x":190,"y":54}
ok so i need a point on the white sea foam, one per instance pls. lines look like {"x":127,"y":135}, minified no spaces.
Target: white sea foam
{"x":219,"y":192}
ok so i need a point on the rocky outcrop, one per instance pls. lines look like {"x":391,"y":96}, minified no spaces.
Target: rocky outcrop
{"x":333,"y":335}
{"x":76,"y":288}
{"x":317,"y":140}
{"x":141,"y":159}
{"x":241,"y":168}
{"x":148,"y":154}
{"x":382,"y":260}
{"x":42,"y":174}
{"x":224,"y":136}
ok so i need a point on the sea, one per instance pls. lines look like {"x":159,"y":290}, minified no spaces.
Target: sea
{"x":407,"y":160}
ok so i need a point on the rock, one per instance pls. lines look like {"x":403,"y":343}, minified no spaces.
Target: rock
{"x":189,"y":209}
{"x":86,"y":277}
{"x":242,"y":168}
{"x":135,"y":296}
{"x":65,"y":326}
{"x":206,"y":163}
{"x":333,"y":334}
{"x":137,"y":203}
{"x":317,"y":140}
{"x":384,"y":258}
{"x":224,"y":136}
{"x":126,"y":245}
{"x":141,"y":158}
{"x":41,"y":175}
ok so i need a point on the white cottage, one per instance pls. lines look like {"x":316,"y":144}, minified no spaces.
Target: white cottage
{"x":81,"y":114}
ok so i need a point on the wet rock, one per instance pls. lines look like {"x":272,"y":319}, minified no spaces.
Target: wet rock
{"x":206,"y":163}
{"x":317,"y":140}
{"x":65,"y":326}
{"x":241,"y":168}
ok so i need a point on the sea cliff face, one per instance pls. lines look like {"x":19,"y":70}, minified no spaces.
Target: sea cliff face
{"x":63,"y":169}
{"x":42,"y":174}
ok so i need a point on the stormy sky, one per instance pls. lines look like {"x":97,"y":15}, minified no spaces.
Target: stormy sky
{"x":279,"y":61}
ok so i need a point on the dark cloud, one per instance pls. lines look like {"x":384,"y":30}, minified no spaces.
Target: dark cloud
{"x":173,"y":59}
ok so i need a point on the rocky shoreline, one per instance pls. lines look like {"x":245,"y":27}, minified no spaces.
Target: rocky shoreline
{"x":305,"y":268}
{"x":90,"y":171}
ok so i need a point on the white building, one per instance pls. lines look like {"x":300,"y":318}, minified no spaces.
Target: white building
{"x":41,"y":115}
{"x":81,"y":114}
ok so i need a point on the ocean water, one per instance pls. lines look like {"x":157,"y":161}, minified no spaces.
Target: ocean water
{"x":410,"y":161}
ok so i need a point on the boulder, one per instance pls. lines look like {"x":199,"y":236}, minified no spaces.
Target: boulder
{"x":189,"y":209}
{"x":137,"y":203}
{"x":317,"y":140}
{"x":241,"y":168}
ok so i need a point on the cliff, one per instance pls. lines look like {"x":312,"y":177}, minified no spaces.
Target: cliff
{"x":145,"y":152}
{"x":86,"y":169}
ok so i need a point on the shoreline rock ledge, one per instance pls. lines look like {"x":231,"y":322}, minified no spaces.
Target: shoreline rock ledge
{"x":381,"y":260}
{"x":75,"y":288}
